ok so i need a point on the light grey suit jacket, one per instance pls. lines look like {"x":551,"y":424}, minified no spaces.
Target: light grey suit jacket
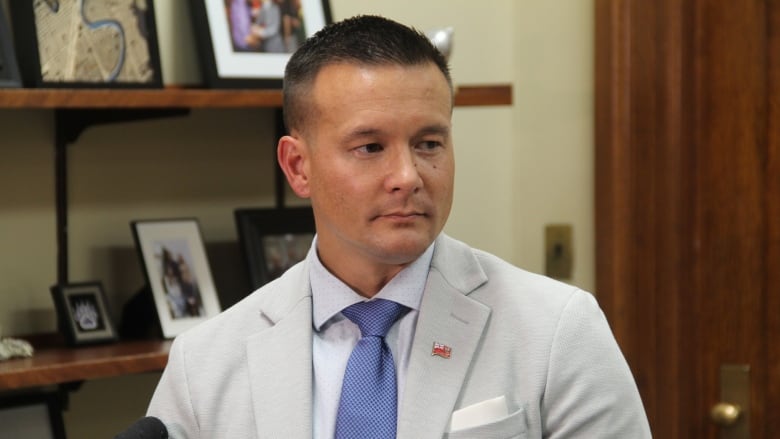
{"x":543,"y":345}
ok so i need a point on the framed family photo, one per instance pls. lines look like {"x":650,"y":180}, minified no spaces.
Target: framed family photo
{"x":273,"y":240}
{"x":177,"y":271}
{"x":247,"y":43}
{"x":82,"y":313}
{"x":87,"y":43}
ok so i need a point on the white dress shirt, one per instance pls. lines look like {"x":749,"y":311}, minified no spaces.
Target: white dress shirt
{"x":335,"y":335}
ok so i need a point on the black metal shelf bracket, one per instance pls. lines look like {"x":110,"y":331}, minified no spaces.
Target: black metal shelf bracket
{"x":69,"y":124}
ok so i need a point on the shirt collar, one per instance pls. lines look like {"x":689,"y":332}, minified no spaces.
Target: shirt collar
{"x":330,"y":295}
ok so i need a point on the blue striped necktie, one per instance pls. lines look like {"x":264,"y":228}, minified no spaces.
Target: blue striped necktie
{"x":368,"y":407}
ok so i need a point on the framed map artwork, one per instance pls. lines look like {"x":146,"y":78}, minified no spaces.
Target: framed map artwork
{"x":87,"y":43}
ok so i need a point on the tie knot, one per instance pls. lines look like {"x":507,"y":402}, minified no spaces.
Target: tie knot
{"x":375,"y":317}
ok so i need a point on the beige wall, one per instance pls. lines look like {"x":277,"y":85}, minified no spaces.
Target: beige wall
{"x":518,"y":168}
{"x":553,"y":116}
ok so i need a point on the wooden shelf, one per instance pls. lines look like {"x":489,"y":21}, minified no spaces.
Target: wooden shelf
{"x":474,"y":95}
{"x":163,"y":98}
{"x":483,"y":95}
{"x":60,"y":364}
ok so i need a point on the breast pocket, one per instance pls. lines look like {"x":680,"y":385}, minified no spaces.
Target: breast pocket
{"x":514,"y":426}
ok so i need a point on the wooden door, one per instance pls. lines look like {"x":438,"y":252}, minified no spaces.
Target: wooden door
{"x":688,"y":202}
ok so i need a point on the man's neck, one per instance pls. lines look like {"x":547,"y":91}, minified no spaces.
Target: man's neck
{"x":365,"y":279}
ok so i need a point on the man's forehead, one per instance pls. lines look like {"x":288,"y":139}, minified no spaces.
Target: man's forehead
{"x":356,"y":66}
{"x":342,"y":80}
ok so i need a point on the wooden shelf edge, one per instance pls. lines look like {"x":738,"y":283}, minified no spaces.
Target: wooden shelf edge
{"x":466,"y":95}
{"x":58,"y":365}
{"x":162,"y":98}
{"x":483,"y":95}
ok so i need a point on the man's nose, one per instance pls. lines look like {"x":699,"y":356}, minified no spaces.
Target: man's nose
{"x":403,"y":173}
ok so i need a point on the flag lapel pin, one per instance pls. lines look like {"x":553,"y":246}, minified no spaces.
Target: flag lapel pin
{"x":441,"y":350}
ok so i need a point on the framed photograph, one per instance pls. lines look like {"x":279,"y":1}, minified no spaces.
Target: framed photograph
{"x":273,"y":240}
{"x":9,"y":72}
{"x":87,"y":43}
{"x":177,"y":271}
{"x":82,"y":313}
{"x":247,"y":43}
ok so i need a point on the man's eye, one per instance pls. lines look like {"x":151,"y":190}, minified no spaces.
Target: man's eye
{"x":370,"y":148}
{"x":429,"y":144}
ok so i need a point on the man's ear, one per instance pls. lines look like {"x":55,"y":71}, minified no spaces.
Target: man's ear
{"x":293,"y":156}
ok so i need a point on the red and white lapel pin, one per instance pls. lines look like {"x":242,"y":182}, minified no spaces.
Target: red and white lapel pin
{"x":441,"y":350}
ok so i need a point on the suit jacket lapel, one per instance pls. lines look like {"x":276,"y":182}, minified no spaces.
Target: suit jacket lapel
{"x":450,"y":317}
{"x":280,"y":360}
{"x":280,"y":356}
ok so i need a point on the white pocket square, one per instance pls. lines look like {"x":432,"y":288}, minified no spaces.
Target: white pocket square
{"x":481,"y":413}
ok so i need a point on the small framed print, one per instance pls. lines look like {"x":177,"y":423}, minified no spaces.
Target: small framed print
{"x":273,"y":240}
{"x":177,"y":271}
{"x":82,"y":313}
{"x":247,"y":43}
{"x":87,"y":43}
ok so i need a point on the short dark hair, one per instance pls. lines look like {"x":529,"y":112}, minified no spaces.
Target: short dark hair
{"x":363,"y":40}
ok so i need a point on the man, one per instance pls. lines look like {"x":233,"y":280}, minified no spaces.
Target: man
{"x":480,"y":348}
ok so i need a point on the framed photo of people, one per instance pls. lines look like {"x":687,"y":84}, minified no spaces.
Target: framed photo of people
{"x":80,"y":43}
{"x":82,"y":313}
{"x":247,"y":43}
{"x":177,"y":271}
{"x":273,"y":240}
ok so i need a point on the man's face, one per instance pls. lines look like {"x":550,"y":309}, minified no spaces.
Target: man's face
{"x":379,"y":161}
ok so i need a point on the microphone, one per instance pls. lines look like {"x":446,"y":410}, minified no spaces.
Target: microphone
{"x":147,"y":427}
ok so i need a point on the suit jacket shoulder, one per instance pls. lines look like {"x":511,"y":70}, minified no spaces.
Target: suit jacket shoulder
{"x":545,"y":346}
{"x":233,"y":375}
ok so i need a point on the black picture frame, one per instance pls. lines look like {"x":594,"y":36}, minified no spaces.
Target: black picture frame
{"x":227,"y":63}
{"x":82,"y":313}
{"x":177,"y":271}
{"x":117,"y":52}
{"x":9,"y":71}
{"x":263,"y":233}
{"x":36,"y":413}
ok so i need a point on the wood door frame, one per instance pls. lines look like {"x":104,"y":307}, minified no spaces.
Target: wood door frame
{"x":773,"y":222}
{"x":628,"y":95}
{"x":654,"y":62}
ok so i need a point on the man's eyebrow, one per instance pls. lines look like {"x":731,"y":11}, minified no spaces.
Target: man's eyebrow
{"x":440,"y":129}
{"x":368,"y":132}
{"x":361,"y":132}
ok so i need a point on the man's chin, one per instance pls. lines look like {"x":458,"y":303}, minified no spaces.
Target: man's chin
{"x":406,"y":251}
